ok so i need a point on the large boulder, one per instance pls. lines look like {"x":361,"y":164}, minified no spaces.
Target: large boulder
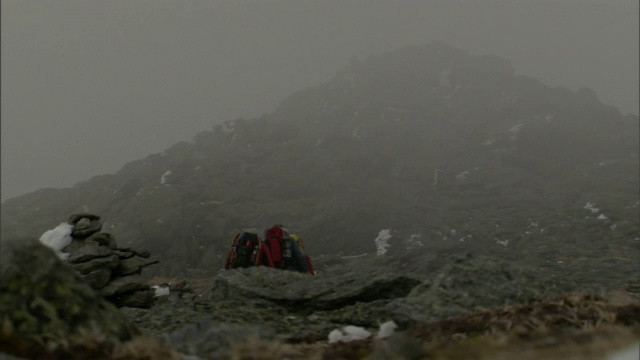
{"x":46,"y":304}
{"x":301,"y":291}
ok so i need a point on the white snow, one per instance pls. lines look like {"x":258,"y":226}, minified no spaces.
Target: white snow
{"x":465,"y":237}
{"x":352,"y":333}
{"x":414,"y":241}
{"x":57,"y":239}
{"x":633,"y":206}
{"x":161,"y":290}
{"x":502,"y":242}
{"x":347,"y":334}
{"x":382,"y":242}
{"x":386,"y":329}
{"x":631,"y":352}
{"x":592,"y":207}
{"x":602,"y":217}
{"x":163,"y":178}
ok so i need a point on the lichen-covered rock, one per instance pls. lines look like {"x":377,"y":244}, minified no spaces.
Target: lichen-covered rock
{"x":123,"y":285}
{"x":108,"y":262}
{"x":74,"y":218}
{"x":102,"y":238}
{"x":45,"y":301}
{"x":133,"y":265}
{"x":86,"y":229}
{"x":138,"y":252}
{"x":89,"y":252}
{"x":298,"y":290}
{"x":123,"y":254}
{"x":97,"y":279}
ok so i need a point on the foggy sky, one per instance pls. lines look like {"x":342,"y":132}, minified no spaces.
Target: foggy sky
{"x":88,"y":86}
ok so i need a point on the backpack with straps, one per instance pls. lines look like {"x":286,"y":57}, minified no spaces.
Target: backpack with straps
{"x":273,"y":238}
{"x":284,"y":250}
{"x":246,"y":250}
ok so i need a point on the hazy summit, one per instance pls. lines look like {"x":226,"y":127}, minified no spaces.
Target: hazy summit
{"x":437,"y":146}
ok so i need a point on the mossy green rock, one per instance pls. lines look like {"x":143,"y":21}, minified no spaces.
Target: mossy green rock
{"x":45,"y":303}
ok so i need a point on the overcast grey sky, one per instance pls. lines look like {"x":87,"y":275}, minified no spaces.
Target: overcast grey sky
{"x":88,"y":86}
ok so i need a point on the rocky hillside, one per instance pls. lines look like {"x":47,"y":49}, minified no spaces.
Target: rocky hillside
{"x":443,"y":149}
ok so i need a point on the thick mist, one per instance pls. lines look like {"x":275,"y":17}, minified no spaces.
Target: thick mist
{"x":88,"y":86}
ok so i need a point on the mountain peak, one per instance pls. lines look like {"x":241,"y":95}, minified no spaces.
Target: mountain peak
{"x":429,"y":142}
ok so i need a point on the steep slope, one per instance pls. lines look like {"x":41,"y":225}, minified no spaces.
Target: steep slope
{"x":443,"y":148}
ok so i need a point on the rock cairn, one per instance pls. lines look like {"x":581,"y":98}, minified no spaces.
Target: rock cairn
{"x":113,"y":271}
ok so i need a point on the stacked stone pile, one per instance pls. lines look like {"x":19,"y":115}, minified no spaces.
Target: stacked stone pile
{"x":113,"y":271}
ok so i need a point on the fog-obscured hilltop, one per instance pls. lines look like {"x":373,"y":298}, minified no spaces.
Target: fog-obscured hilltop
{"x":441,"y":148}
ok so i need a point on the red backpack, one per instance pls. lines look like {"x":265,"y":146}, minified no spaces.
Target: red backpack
{"x":247,"y":249}
{"x":272,"y":238}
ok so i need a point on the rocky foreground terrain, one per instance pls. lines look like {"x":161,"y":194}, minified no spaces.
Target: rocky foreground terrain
{"x":444,"y":305}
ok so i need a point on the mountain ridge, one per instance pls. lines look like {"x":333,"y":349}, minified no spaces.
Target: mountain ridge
{"x":426,"y":140}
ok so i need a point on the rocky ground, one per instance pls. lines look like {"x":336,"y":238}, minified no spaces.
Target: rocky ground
{"x":449,"y":305}
{"x":413,"y":304}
